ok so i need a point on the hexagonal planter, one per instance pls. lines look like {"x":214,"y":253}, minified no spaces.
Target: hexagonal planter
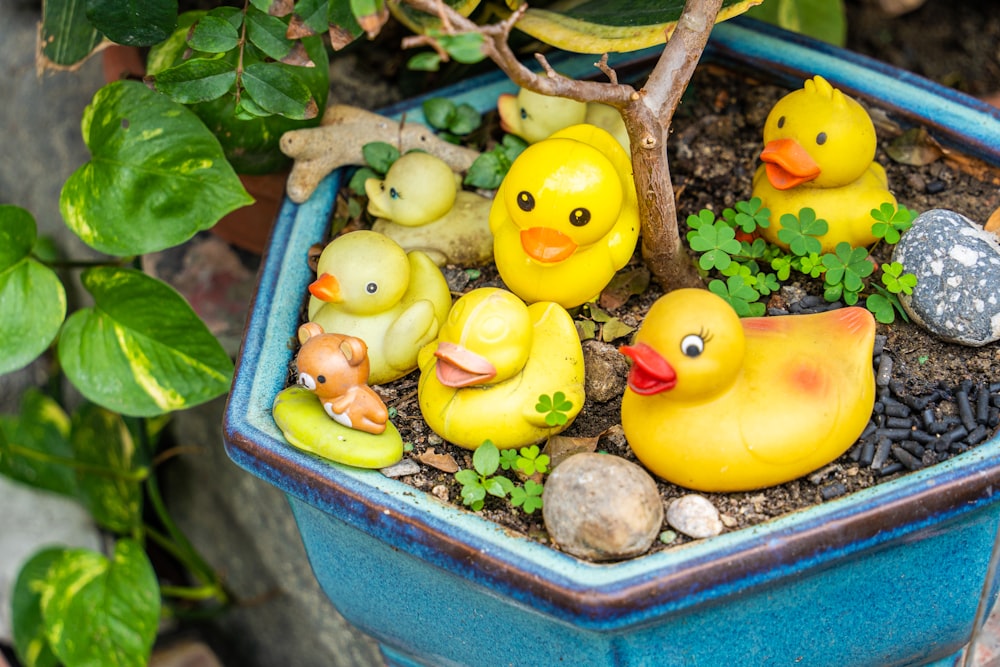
{"x":888,"y":576}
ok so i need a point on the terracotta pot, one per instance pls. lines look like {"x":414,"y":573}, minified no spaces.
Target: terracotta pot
{"x":888,"y":576}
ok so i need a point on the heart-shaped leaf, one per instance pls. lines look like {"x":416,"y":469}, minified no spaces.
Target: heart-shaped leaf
{"x":32,"y":444}
{"x":156,"y":176}
{"x":32,"y":647}
{"x":98,"y":611}
{"x":101,"y":439}
{"x":32,"y":298}
{"x":141,"y":350}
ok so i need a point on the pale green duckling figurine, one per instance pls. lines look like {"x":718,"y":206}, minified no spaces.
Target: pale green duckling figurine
{"x":533,"y":116}
{"x":421,"y":206}
{"x":370,"y":288}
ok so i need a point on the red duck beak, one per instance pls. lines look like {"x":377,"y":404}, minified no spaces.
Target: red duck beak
{"x":788,"y":164}
{"x":650,"y":373}
{"x":326,"y":288}
{"x":546,"y":245}
{"x":458,"y":367}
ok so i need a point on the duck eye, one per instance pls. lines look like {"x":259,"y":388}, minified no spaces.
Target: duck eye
{"x":525,"y":201}
{"x":781,"y":122}
{"x":524,"y":114}
{"x":394,"y":193}
{"x":371,"y":288}
{"x":578,"y":217}
{"x":821,"y":138}
{"x":692,"y":345}
{"x":321,"y":379}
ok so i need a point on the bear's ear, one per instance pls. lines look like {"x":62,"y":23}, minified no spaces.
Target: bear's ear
{"x":309,"y":330}
{"x":354,"y":350}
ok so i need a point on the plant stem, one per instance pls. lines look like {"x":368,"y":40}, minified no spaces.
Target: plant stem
{"x":207,"y":592}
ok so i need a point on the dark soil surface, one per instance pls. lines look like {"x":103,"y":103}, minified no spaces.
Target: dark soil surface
{"x":714,"y":147}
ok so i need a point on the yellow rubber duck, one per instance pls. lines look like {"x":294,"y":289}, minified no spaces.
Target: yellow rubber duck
{"x":533,"y":116}
{"x":715,"y":403}
{"x":420,"y":205}
{"x":370,"y":288}
{"x":493,"y":359}
{"x":819,"y":150}
{"x":565,"y":218}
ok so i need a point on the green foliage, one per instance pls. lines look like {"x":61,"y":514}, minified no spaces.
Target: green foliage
{"x":453,"y":120}
{"x":554,"y":408}
{"x":825,"y":20}
{"x":890,"y":222}
{"x":482,"y":479}
{"x":847,"y":272}
{"x":488,"y":170}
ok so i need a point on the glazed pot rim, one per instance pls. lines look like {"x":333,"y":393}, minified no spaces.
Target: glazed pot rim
{"x":628,"y":592}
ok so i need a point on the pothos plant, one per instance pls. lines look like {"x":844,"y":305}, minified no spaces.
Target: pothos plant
{"x":136,"y":352}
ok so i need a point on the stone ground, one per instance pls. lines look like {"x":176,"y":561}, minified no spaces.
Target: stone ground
{"x":243,"y":526}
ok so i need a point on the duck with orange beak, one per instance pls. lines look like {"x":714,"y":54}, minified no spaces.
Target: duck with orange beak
{"x":368,"y":287}
{"x":565,"y":218}
{"x":819,"y":150}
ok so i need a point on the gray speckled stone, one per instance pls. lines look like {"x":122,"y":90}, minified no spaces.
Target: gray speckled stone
{"x":957,"y":265}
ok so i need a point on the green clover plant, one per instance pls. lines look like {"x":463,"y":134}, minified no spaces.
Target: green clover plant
{"x":554,"y":408}
{"x":482,"y":479}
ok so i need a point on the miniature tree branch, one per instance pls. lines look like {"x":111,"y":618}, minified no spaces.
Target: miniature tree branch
{"x":647,"y":114}
{"x":339,"y":139}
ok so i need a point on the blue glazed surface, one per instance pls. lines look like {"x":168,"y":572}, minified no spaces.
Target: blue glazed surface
{"x":856,"y":581}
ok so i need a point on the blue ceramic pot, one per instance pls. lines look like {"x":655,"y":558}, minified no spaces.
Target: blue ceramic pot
{"x":888,"y":576}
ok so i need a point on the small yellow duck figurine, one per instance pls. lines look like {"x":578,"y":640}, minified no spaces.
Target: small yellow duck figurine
{"x":819,"y":150}
{"x":370,"y":288}
{"x":493,"y":359}
{"x":533,"y":116}
{"x":565,"y":218}
{"x":420,"y":205}
{"x":715,"y":403}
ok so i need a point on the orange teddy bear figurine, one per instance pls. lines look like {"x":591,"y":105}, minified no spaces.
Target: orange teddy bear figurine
{"x":335,"y":367}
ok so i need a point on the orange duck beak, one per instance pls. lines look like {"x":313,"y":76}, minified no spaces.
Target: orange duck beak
{"x":546,"y":245}
{"x":788,"y":164}
{"x":326,"y":288}
{"x":458,"y":367}
{"x":650,"y":373}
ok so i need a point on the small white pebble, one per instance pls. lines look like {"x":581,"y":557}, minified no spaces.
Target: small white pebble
{"x":695,"y":516}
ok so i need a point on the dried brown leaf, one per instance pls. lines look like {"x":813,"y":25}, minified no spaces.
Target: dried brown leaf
{"x":561,"y":447}
{"x":339,"y":37}
{"x":297,"y":29}
{"x":298,"y":56}
{"x":915,"y":147}
{"x":615,"y":329}
{"x":624,"y":285}
{"x":281,"y":7}
{"x":443,"y":462}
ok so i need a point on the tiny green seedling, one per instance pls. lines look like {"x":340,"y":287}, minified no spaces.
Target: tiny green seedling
{"x":491,"y":166}
{"x":482,"y":480}
{"x":454,"y":121}
{"x":555,"y":408}
{"x":379,"y":156}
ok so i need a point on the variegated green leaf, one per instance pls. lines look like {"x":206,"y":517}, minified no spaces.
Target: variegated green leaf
{"x":35,"y":445}
{"x":101,"y":439}
{"x":141,"y":350}
{"x":66,"y":36}
{"x":156,"y":175}
{"x":595,"y":26}
{"x":98,"y":611}
{"x":32,"y":647}
{"x":32,"y":298}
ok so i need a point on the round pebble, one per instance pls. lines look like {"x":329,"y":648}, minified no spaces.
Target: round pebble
{"x":601,"y":507}
{"x":957,"y":265}
{"x":695,"y":516}
{"x":606,"y":371}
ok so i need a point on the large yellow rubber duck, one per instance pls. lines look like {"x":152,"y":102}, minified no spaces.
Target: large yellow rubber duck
{"x":565,"y":218}
{"x":370,"y":288}
{"x":494,"y":357}
{"x":819,"y":150}
{"x":715,"y":403}
{"x":533,"y":116}
{"x":420,"y":206}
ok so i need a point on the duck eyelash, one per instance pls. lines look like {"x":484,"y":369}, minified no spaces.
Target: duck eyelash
{"x":705,"y":334}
